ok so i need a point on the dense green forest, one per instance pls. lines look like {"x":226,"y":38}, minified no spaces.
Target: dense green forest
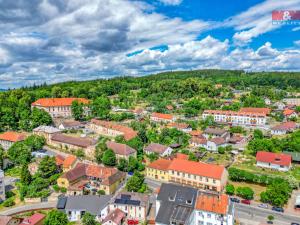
{"x":195,"y":90}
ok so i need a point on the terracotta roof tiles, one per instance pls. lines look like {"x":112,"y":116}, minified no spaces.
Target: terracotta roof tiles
{"x":51,"y":102}
{"x":274,"y":158}
{"x":212,"y":203}
{"x":12,"y":136}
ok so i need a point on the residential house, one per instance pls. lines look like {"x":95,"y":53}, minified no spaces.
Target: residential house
{"x":59,"y":107}
{"x":161,"y":150}
{"x":76,"y":206}
{"x":161,"y":117}
{"x":196,"y":133}
{"x":212,"y":208}
{"x":267,"y":101}
{"x":216,"y":133}
{"x":70,"y":125}
{"x":175,"y":204}
{"x":198,"y":142}
{"x":184,"y":127}
{"x":91,"y":177}
{"x":10,"y":220}
{"x":159,"y":170}
{"x":35,"y":219}
{"x":115,"y":217}
{"x":7,"y":139}
{"x":121,"y":150}
{"x":279,"y":105}
{"x":134,"y":205}
{"x":292,"y":101}
{"x":67,"y":142}
{"x":197,"y":174}
{"x":244,"y":117}
{"x":284,"y":128}
{"x":238,"y":142}
{"x":66,"y":163}
{"x":289,"y":113}
{"x":112,"y":129}
{"x":46,"y":132}
{"x":214,"y":143}
{"x":276,"y":161}
{"x":2,"y":186}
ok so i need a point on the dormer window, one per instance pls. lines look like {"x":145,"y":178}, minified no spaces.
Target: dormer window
{"x":189,"y":202}
{"x":171,"y":198}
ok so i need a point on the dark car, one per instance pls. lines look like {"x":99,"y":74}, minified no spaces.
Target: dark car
{"x":277,"y":209}
{"x":246,"y":201}
{"x":295,"y":223}
{"x":269,"y":222}
{"x":236,"y":200}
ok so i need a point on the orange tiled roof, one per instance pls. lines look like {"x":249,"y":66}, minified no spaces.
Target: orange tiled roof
{"x":12,"y":136}
{"x":128,"y":132}
{"x":179,"y":125}
{"x":212,"y":203}
{"x":255,"y":110}
{"x":288,"y":112}
{"x":69,"y":161}
{"x":50,"y":102}
{"x":195,"y":132}
{"x":59,"y":159}
{"x":160,"y":164}
{"x":181,"y":156}
{"x":197,"y":168}
{"x":162,"y":116}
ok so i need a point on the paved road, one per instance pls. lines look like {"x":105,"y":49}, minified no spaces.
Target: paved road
{"x":250,"y":215}
{"x":152,"y":184}
{"x":29,"y":207}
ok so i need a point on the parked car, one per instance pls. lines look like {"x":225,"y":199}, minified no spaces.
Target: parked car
{"x":246,"y":201}
{"x":295,"y":223}
{"x":236,"y":200}
{"x":269,"y":222}
{"x":277,"y":209}
{"x":264,"y":206}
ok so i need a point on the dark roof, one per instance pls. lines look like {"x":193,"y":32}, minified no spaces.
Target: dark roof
{"x":177,"y":203}
{"x":77,"y":141}
{"x":88,"y":203}
{"x":214,"y":131}
{"x":61,"y":204}
{"x":131,"y":198}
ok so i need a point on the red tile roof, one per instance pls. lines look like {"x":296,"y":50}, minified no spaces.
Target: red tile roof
{"x":285,"y":126}
{"x":181,"y":156}
{"x":156,"y":148}
{"x":288,"y":112}
{"x":115,"y":216}
{"x":179,"y":125}
{"x":59,"y":159}
{"x":274,"y":158}
{"x":128,"y":132}
{"x":83,"y":142}
{"x":212,"y":203}
{"x":12,"y":136}
{"x":198,"y":140}
{"x":218,"y":140}
{"x":120,"y":149}
{"x":255,"y":110}
{"x":195,"y":132}
{"x":69,"y":161}
{"x":160,"y":164}
{"x":197,"y":168}
{"x":162,"y":116}
{"x":34,"y":219}
{"x":50,"y":102}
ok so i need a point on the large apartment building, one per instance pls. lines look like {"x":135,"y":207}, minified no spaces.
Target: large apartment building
{"x":197,"y":174}
{"x":244,"y":117}
{"x":112,"y":129}
{"x":59,"y":107}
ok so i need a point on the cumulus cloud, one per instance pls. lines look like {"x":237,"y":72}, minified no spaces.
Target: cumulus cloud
{"x":171,"y":2}
{"x":59,"y":40}
{"x":257,"y":20}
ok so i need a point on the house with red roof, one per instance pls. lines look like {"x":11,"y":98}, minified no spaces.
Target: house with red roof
{"x":112,"y":129}
{"x":59,"y":107}
{"x":244,"y":117}
{"x":121,"y":150}
{"x":284,"y":128}
{"x":161,"y":117}
{"x":114,"y":217}
{"x":289,"y":113}
{"x":276,"y":161}
{"x":7,"y":139}
{"x":35,"y":219}
{"x":197,"y":174}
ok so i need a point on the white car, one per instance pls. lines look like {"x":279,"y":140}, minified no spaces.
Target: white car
{"x":265,"y":206}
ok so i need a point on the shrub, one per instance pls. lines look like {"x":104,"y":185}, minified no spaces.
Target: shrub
{"x":56,"y":188}
{"x":230,"y":189}
{"x":63,"y":190}
{"x":245,"y":192}
{"x":9,"y":202}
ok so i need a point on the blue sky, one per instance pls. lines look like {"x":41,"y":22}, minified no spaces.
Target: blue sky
{"x":57,"y":40}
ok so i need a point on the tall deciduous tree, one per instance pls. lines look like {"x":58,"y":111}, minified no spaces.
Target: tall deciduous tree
{"x":19,"y":153}
{"x":25,"y":175}
{"x":101,"y":107}
{"x":109,"y":158}
{"x":77,"y":110}
{"x":47,"y":167}
{"x":56,"y":217}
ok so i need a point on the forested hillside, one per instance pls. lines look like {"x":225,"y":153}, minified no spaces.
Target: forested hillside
{"x":194,"y":89}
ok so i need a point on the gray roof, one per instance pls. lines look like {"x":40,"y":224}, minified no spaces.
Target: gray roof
{"x":88,"y":203}
{"x":177,"y":203}
{"x":215,"y":131}
{"x":157,"y":148}
{"x":47,"y":129}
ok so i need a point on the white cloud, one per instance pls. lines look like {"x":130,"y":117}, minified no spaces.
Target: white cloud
{"x":4,"y":57}
{"x":297,"y":42}
{"x":171,"y":2}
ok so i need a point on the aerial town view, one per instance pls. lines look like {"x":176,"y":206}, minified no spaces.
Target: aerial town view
{"x":163,"y":112}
